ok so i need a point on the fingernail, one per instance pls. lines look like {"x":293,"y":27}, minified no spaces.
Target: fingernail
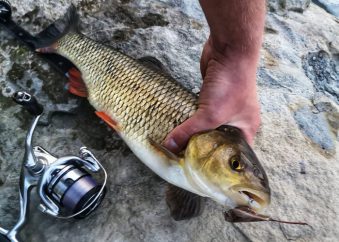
{"x":171,"y":145}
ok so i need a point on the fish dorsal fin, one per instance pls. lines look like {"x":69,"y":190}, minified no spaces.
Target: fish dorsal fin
{"x":153,"y":63}
{"x":183,"y":204}
{"x":76,"y":84}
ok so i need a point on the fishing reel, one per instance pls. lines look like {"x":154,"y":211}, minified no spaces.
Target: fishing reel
{"x":66,"y":185}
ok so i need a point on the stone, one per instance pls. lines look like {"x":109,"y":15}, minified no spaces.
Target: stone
{"x":281,"y":6}
{"x":316,"y":127}
{"x":331,"y":6}
{"x":324,"y":72}
{"x":299,"y":108}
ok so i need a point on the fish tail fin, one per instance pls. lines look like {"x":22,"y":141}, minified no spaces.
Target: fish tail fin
{"x":46,"y":40}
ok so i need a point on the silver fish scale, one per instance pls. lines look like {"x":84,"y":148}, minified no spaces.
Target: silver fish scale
{"x":145,"y":103}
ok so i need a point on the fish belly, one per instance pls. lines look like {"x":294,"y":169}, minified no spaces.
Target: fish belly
{"x":160,"y":165}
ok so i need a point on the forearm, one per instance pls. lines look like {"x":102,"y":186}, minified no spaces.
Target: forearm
{"x":236,"y":26}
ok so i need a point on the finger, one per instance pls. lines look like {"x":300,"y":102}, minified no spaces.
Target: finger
{"x":178,"y":138}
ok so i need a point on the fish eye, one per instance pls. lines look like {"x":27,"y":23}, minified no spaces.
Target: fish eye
{"x":235,"y":164}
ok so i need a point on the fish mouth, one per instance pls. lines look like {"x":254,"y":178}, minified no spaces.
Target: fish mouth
{"x":254,"y":198}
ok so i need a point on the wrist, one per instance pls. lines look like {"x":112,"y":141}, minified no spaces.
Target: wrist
{"x":241,"y":55}
{"x":233,"y":68}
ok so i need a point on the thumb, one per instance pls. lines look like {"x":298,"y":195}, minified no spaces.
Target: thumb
{"x":177,"y":139}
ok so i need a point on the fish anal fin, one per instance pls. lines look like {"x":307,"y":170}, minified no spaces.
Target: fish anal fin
{"x":112,"y":123}
{"x":76,"y":84}
{"x":163,"y":150}
{"x":183,"y":204}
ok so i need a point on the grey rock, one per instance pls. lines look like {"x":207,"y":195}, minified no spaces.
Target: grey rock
{"x":323,"y":71}
{"x":325,"y":105}
{"x":281,"y":6}
{"x":302,"y":167}
{"x":331,"y":6}
{"x":174,"y":32}
{"x":316,"y":127}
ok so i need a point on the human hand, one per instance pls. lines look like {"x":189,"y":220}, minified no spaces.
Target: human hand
{"x":228,"y":96}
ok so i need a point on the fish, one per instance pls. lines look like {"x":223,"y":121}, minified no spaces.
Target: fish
{"x":143,"y":103}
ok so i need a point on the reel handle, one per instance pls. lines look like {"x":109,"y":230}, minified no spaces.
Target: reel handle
{"x":29,"y":102}
{"x":5,"y":10}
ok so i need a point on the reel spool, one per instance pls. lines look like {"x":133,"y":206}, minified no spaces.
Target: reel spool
{"x":73,"y":188}
{"x":68,"y":190}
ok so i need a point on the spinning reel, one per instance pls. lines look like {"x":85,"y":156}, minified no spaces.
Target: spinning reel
{"x":65,"y":185}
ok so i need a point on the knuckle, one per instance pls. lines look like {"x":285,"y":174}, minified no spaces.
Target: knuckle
{"x":213,"y":119}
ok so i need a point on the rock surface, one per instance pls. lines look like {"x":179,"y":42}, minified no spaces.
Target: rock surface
{"x":281,"y":6}
{"x":331,"y":6}
{"x":297,"y":143}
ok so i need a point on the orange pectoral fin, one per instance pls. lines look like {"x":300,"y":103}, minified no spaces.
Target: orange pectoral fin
{"x":76,"y":85}
{"x":112,"y":123}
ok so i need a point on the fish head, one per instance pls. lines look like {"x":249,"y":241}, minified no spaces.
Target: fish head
{"x":221,"y":165}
